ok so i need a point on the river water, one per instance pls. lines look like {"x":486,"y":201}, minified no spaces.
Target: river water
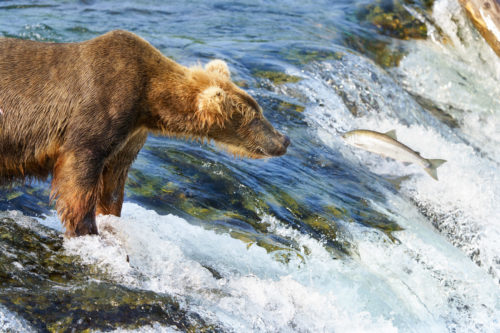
{"x":327,"y":238}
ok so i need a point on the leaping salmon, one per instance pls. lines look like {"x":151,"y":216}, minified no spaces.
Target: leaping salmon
{"x":386,"y":144}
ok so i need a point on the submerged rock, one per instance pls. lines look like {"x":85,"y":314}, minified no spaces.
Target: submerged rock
{"x":305,"y":55}
{"x":392,"y":18}
{"x":380,"y":51}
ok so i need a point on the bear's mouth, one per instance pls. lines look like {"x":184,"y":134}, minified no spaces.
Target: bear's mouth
{"x":261,"y":152}
{"x":237,"y":151}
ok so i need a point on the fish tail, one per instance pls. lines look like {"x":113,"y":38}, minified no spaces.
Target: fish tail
{"x":433,"y":165}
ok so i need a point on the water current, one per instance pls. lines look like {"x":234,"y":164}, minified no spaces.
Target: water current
{"x":327,"y":238}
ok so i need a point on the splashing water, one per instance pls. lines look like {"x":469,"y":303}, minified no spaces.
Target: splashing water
{"x":246,"y":289}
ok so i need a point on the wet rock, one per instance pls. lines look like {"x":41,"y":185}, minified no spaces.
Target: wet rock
{"x":55,"y":292}
{"x":29,"y":198}
{"x":285,"y":112}
{"x":393,"y":19}
{"x":379,"y":50}
{"x":282,"y":250}
{"x":226,"y":199}
{"x":485,"y":15}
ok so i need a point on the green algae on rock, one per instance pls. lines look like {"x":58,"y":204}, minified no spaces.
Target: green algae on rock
{"x":398,"y":19}
{"x":281,"y":252}
{"x":285,"y":106}
{"x":228,"y":199}
{"x":54,"y":292}
{"x":290,"y":108}
{"x":304,"y":55}
{"x":277,"y":78}
{"x":392,"y":18}
{"x":33,"y":200}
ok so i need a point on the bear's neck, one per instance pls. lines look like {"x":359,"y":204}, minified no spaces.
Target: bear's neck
{"x":171,"y":99}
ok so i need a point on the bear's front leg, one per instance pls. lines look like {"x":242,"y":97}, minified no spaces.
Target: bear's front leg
{"x":76,"y":185}
{"x":110,"y":200}
{"x":115,"y":174}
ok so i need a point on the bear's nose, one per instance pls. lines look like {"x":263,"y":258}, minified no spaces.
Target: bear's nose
{"x":286,"y":141}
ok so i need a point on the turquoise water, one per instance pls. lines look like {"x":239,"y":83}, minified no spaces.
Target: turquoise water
{"x":326,"y":238}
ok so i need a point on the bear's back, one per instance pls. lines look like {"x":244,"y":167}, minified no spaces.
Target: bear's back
{"x":50,"y":89}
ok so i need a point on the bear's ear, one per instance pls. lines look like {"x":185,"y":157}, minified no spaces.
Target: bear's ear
{"x":211,"y":107}
{"x":218,"y":66}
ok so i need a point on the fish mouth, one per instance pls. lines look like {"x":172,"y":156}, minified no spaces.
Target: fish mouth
{"x":345,"y":135}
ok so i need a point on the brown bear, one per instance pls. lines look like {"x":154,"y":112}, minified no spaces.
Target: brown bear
{"x":82,"y":111}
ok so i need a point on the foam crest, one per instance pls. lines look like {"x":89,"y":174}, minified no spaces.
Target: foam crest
{"x":453,"y":286}
{"x":154,"y":328}
{"x":9,"y":322}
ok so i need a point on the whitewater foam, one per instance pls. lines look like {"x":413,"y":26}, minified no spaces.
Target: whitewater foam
{"x":463,"y":78}
{"x":463,"y":204}
{"x":460,"y":76}
{"x":417,"y":285}
{"x":167,"y":254}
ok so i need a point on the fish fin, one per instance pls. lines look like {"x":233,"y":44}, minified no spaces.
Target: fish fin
{"x":434,"y":164}
{"x":391,"y":134}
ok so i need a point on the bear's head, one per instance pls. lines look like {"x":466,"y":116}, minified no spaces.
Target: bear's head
{"x":233,"y":119}
{"x":211,"y":107}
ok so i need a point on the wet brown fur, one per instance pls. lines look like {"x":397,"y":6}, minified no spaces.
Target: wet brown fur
{"x":82,"y":111}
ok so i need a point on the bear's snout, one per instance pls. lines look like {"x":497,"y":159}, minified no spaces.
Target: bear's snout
{"x":286,"y":142}
{"x":267,"y":140}
{"x":278,"y":147}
